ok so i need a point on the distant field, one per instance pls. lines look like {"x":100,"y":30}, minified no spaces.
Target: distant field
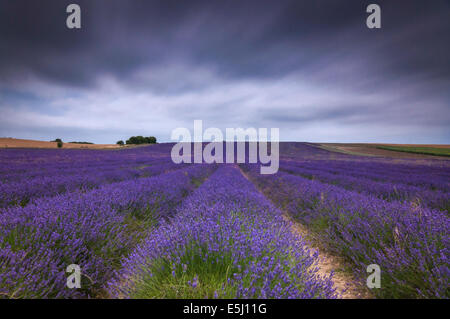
{"x":141,"y":226}
{"x":407,"y":151}
{"x":437,"y":151}
{"x":21,"y":143}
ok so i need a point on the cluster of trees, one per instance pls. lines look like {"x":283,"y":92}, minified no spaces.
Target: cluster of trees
{"x":59,"y":142}
{"x":139,"y":140}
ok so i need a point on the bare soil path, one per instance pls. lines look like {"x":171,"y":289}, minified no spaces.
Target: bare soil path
{"x":346,"y":285}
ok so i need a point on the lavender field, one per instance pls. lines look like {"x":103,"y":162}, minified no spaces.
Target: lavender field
{"x":140,"y":226}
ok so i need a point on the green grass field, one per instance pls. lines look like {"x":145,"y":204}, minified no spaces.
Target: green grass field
{"x":419,"y":150}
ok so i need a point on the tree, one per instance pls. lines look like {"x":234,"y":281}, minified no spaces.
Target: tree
{"x":60,"y":144}
{"x":151,"y":139}
{"x":120,"y":143}
{"x":57,"y":140}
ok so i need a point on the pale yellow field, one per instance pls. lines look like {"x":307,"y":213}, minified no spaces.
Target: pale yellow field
{"x":21,"y":143}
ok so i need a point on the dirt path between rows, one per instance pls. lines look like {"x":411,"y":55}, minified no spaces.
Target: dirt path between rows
{"x":346,"y":285}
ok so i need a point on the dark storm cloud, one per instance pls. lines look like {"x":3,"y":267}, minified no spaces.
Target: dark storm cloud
{"x":240,"y":38}
{"x":228,"y":62}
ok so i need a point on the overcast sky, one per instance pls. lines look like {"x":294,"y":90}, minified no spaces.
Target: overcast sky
{"x":311,"y":68}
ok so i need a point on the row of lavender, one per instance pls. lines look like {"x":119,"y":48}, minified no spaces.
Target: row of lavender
{"x":409,"y":243}
{"x":50,"y":172}
{"x":37,"y":170}
{"x":25,"y":163}
{"x":21,"y":192}
{"x":435,"y":177}
{"x":225,"y":241}
{"x":418,"y":194}
{"x":93,"y":229}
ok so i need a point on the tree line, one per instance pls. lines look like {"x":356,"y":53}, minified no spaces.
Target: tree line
{"x":138,"y":140}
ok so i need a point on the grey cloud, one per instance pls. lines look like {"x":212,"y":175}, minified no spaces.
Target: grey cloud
{"x":231,"y":63}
